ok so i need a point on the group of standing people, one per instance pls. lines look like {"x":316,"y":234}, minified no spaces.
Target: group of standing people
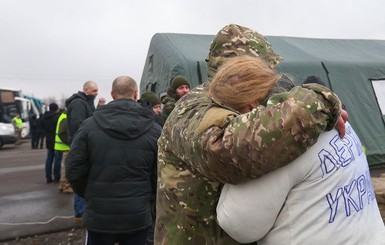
{"x":112,"y":164}
{"x":223,"y":146}
{"x":163,"y":105}
{"x":59,"y":131}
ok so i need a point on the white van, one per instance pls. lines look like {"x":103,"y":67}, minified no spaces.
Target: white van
{"x":7,"y":134}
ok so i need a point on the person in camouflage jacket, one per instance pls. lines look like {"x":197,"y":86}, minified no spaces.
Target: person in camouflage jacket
{"x":179,"y":86}
{"x":205,"y":144}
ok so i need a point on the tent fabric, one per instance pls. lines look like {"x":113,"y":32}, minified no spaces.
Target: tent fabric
{"x":346,"y":66}
{"x":170,"y":55}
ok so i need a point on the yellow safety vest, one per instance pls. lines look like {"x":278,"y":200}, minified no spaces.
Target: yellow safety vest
{"x":17,"y":122}
{"x":59,"y":144}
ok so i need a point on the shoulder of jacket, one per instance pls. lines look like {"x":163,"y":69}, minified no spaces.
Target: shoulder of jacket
{"x":215,"y":116}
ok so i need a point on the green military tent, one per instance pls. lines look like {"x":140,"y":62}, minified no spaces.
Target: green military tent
{"x":354,"y":69}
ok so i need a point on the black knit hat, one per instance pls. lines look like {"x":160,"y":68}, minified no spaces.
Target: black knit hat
{"x":53,"y":107}
{"x":150,"y":97}
{"x":314,"y":79}
{"x":178,"y":81}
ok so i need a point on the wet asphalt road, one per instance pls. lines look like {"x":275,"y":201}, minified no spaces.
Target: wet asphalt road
{"x":28,"y":205}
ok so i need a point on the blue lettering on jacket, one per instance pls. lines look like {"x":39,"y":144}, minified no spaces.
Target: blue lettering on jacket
{"x":358,"y":192}
{"x":341,"y":152}
{"x":354,"y":196}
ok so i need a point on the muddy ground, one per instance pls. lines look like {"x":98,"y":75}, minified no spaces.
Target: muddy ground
{"x":69,"y":237}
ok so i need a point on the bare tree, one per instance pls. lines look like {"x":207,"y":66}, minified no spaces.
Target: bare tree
{"x":62,"y":101}
{"x":49,"y":100}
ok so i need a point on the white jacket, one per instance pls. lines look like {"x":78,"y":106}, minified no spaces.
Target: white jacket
{"x":323,"y":197}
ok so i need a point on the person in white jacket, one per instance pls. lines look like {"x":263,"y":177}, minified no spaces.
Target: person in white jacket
{"x":323,"y":197}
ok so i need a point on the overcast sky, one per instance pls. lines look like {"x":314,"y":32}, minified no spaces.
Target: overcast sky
{"x":49,"y":48}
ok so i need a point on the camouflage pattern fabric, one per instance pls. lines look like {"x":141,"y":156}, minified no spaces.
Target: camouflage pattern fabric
{"x":234,"y":40}
{"x":194,"y":160}
{"x":169,"y":104}
{"x":192,"y":167}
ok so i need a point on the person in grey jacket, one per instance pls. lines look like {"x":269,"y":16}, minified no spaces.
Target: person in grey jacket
{"x":112,"y":164}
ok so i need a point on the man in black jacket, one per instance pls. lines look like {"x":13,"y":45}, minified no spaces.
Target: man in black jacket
{"x":48,"y":123}
{"x":80,"y":106}
{"x":112,"y":163}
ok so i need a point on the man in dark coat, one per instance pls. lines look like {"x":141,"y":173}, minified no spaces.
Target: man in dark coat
{"x":48,"y":123}
{"x":112,"y":163}
{"x":80,"y":106}
{"x":33,"y":125}
{"x":40,"y":132}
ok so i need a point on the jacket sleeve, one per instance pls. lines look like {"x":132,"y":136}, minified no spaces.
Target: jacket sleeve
{"x":77,"y":162}
{"x":63,"y":131}
{"x":262,"y":200}
{"x":253,"y":144}
{"x":154,"y":179}
{"x":77,"y":112}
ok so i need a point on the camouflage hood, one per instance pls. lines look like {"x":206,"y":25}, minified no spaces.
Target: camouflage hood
{"x":235,"y":40}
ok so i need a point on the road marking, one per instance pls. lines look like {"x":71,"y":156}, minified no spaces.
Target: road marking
{"x":20,"y":169}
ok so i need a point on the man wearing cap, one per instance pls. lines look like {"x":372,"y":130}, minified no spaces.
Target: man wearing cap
{"x":178,"y":88}
{"x":152,"y":100}
{"x":205,"y":144}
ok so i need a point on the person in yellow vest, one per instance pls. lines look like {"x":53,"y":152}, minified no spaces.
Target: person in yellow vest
{"x":62,"y":147}
{"x":18,"y":126}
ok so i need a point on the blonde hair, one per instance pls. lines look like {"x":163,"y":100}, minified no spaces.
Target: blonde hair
{"x":242,"y":80}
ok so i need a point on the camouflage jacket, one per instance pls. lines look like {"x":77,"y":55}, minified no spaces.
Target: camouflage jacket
{"x":204,"y":144}
{"x":169,"y":104}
